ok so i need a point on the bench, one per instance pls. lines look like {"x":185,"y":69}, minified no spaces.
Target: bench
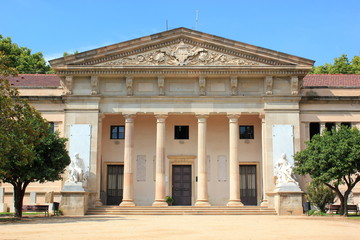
{"x":36,"y":208}
{"x":336,"y":208}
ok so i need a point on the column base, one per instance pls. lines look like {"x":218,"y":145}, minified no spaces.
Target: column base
{"x":264,"y":203}
{"x":202,"y":203}
{"x":98,"y":203}
{"x":159,"y":203}
{"x":233,"y":203}
{"x":127,"y":204}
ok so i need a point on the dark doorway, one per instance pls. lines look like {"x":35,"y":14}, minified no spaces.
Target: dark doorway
{"x":248,"y":189}
{"x":181,"y":185}
{"x":114,"y":192}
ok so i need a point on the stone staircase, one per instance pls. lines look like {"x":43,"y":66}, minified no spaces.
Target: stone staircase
{"x":181,"y":210}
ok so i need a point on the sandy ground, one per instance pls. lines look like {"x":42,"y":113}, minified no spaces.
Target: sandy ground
{"x":183,"y":227}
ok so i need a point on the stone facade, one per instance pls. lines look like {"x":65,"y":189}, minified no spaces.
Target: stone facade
{"x":186,"y":98}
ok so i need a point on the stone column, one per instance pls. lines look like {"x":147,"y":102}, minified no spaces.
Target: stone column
{"x":98,"y":202}
{"x":128,"y":188}
{"x":234,"y":161}
{"x":202,"y":188}
{"x":160,"y":191}
{"x":264,"y":201}
{"x":322,"y":127}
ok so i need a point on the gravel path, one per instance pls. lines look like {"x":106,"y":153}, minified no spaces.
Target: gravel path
{"x":185,"y":227}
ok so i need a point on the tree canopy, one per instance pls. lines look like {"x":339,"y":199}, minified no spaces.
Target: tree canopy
{"x":21,"y":58}
{"x":28,"y":151}
{"x":341,"y":65}
{"x":333,"y":159}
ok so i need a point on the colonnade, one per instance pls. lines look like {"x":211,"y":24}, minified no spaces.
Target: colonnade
{"x":202,"y":183}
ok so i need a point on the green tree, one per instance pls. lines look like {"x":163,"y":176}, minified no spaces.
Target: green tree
{"x":21,"y":58}
{"x":341,"y":65}
{"x":333,"y":159}
{"x":65,"y":54}
{"x":28,"y":151}
{"x":320,"y":195}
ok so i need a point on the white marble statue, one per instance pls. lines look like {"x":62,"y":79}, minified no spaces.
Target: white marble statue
{"x":284,"y":171}
{"x":76,"y":170}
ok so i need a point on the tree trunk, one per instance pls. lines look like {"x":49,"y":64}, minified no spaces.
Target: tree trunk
{"x":19,"y":191}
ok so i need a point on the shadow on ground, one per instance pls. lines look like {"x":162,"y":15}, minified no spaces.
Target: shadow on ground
{"x":57,"y":219}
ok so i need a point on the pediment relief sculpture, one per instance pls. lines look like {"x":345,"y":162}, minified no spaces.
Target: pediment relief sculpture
{"x":181,"y":55}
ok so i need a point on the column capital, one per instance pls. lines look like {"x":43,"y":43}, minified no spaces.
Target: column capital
{"x":233,"y":117}
{"x":202,"y":117}
{"x":129,"y":118}
{"x":160,"y":118}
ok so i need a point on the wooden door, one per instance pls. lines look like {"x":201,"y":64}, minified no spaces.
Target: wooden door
{"x":114,"y":192}
{"x":248,"y":186}
{"x":181,"y":185}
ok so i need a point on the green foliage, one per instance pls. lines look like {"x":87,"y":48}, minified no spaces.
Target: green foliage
{"x":320,"y":195}
{"x":332,"y":158}
{"x":65,"y":54}
{"x":313,"y":212}
{"x":21,"y":58}
{"x":169,"y":200}
{"x":28,"y":151}
{"x":341,"y":65}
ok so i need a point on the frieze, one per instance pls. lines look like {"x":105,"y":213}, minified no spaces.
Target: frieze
{"x":181,"y":55}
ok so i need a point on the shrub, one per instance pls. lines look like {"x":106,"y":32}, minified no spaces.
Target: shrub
{"x":320,"y":195}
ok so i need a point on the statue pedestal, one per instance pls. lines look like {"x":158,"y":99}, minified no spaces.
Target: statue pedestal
{"x":74,"y":187}
{"x":74,"y":203}
{"x":288,"y":199}
{"x":287,"y":187}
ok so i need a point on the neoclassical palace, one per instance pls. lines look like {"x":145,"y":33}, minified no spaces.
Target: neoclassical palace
{"x":185,"y":114}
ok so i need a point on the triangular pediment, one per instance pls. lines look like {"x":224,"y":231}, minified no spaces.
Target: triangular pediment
{"x":180,"y":47}
{"x":182,"y":54}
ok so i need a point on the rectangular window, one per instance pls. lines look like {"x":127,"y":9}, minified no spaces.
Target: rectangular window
{"x":117,"y":132}
{"x":314,"y":129}
{"x":52,"y":127}
{"x":329,"y":126}
{"x":246,"y":132}
{"x":348,"y":124}
{"x":181,"y":132}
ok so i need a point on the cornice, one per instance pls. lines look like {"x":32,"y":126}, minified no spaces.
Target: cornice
{"x":156,"y":71}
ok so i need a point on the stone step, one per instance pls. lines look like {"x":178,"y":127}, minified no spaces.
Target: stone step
{"x":181,"y":210}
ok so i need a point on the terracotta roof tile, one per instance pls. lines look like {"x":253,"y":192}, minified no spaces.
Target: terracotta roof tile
{"x":34,"y":80}
{"x":332,"y":80}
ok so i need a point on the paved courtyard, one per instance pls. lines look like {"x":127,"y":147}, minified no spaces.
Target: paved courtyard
{"x":181,"y":227}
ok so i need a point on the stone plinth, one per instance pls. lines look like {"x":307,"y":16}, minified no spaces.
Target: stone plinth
{"x":74,"y":187}
{"x":74,"y":203}
{"x":288,"y":203}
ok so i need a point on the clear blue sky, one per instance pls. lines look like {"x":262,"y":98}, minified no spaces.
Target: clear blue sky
{"x":319,"y":29}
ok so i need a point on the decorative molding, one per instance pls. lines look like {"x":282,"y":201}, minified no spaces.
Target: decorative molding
{"x":185,"y":41}
{"x":234,"y":85}
{"x":268,"y":85}
{"x":129,"y":86}
{"x":294,"y":85}
{"x":181,"y":72}
{"x":181,"y":54}
{"x":202,"y":85}
{"x":161,"y":86}
{"x":94,"y":85}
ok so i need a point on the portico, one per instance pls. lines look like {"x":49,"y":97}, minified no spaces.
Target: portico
{"x":183,"y":114}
